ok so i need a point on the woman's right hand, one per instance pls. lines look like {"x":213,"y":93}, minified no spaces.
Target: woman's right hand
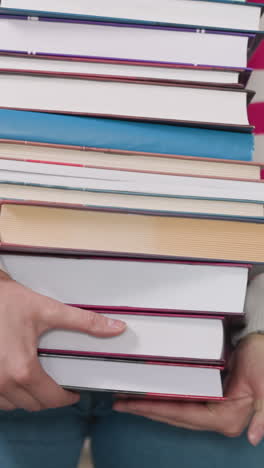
{"x":24,"y":317}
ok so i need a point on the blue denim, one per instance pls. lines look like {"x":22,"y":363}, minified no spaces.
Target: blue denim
{"x":54,"y":438}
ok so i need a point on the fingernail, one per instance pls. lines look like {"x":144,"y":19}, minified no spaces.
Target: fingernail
{"x":116,"y":324}
{"x":75,"y":399}
{"x":119,"y":407}
{"x":255,"y":438}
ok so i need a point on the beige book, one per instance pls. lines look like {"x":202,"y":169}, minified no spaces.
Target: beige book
{"x":130,"y":202}
{"x":128,"y":160}
{"x":79,"y":230}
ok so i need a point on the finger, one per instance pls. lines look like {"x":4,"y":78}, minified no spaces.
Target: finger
{"x":71,"y":318}
{"x":45,"y":390}
{"x":6,"y":405}
{"x":22,"y":399}
{"x":170,"y":421}
{"x":197,"y":415}
{"x":256,"y":427}
{"x":215,"y":417}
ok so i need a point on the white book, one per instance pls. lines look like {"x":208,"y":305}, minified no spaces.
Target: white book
{"x":129,"y":160}
{"x":133,"y":284}
{"x":163,"y":337}
{"x":212,"y":14}
{"x":84,"y":178}
{"x":130,"y":203}
{"x":157,"y":72}
{"x":136,"y":100}
{"x":129,"y":377}
{"x":128,"y":43}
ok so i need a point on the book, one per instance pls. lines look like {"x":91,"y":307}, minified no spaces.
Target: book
{"x":151,"y":203}
{"x":104,"y":158}
{"x":124,"y":135}
{"x":152,"y":380}
{"x":41,"y":228}
{"x":130,"y":182}
{"x":65,"y":37}
{"x":162,"y":338}
{"x":218,"y":76}
{"x":125,"y":99}
{"x":185,"y":12}
{"x":132,"y":284}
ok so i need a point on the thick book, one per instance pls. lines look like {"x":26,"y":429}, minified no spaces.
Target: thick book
{"x":134,"y":203}
{"x":104,"y":158}
{"x":124,"y":99}
{"x":125,"y":135}
{"x":140,"y":161}
{"x":228,"y":15}
{"x":151,"y":380}
{"x":56,"y":229}
{"x":171,"y":338}
{"x":134,"y":285}
{"x":123,"y":41}
{"x":130,"y":182}
{"x":175,"y":73}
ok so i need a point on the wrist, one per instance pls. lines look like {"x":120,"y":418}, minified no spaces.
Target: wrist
{"x":254,"y":337}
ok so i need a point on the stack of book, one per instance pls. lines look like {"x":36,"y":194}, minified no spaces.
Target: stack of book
{"x":126,"y":182}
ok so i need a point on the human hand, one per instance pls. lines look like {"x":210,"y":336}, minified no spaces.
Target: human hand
{"x":243,"y":408}
{"x":24,"y":317}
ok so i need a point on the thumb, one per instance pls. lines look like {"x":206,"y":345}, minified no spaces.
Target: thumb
{"x":64,"y":317}
{"x":256,"y":427}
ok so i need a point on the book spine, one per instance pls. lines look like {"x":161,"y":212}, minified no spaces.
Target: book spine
{"x":125,"y":136}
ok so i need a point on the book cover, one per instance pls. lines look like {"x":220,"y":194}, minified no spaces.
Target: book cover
{"x":125,"y":135}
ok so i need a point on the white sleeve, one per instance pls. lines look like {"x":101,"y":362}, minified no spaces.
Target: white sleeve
{"x":254,"y":308}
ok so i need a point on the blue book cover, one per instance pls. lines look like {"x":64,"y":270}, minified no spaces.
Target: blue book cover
{"x":125,"y":135}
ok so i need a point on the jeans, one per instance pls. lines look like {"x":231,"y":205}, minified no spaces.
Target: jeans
{"x":54,"y":438}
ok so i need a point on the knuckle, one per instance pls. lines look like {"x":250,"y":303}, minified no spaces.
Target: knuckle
{"x":92,"y":319}
{"x":23,"y":373}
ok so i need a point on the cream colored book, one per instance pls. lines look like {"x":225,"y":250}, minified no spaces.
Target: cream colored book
{"x":78,"y":230}
{"x":128,"y":160}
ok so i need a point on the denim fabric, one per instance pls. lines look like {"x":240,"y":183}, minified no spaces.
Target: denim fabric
{"x":54,"y":438}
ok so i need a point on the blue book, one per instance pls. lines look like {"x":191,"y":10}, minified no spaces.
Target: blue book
{"x":125,"y":135}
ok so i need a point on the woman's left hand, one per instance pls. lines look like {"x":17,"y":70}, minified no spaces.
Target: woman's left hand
{"x":244,"y":405}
